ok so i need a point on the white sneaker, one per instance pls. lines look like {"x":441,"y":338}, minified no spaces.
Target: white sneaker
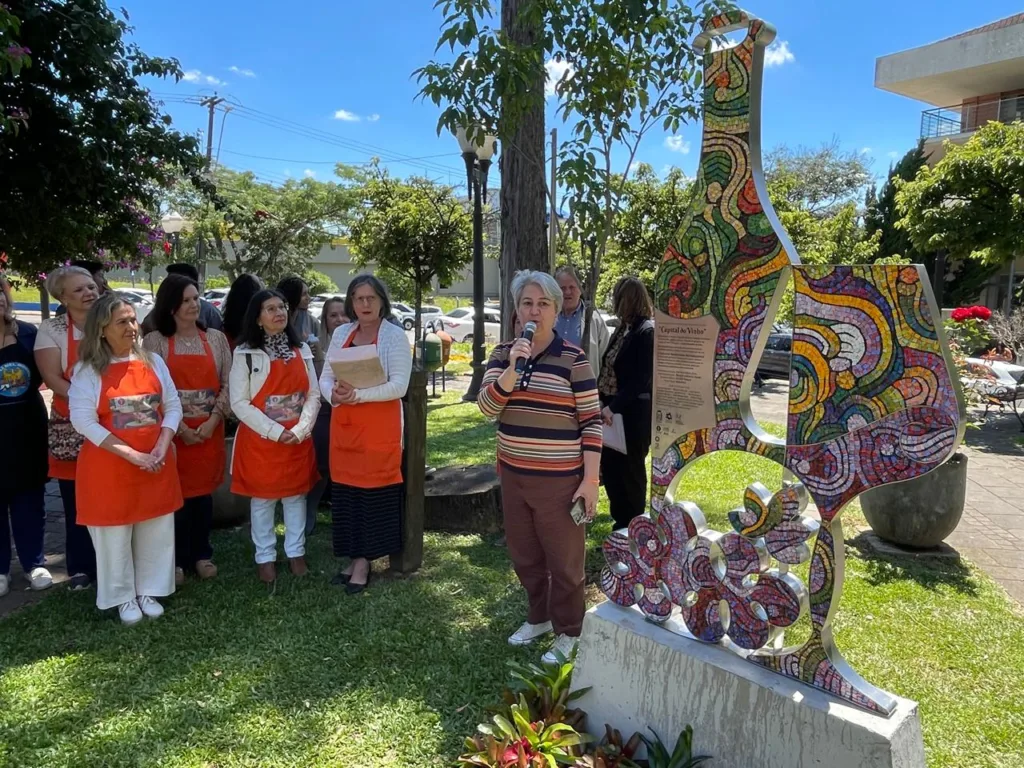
{"x":150,"y":607}
{"x":5,"y":585}
{"x":130,"y":613}
{"x":527,"y":633}
{"x":40,"y":578}
{"x":564,"y":646}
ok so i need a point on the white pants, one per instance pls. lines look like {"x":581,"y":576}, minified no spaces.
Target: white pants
{"x":133,"y":560}
{"x":264,"y":537}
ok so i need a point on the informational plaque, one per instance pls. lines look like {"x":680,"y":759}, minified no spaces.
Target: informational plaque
{"x":684,"y":377}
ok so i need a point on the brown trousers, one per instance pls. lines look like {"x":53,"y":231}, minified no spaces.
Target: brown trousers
{"x":547,"y":548}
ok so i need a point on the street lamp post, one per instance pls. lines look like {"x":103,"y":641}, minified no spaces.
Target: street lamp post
{"x":477,"y":150}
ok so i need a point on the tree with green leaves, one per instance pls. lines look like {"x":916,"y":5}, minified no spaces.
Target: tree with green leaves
{"x":270,"y":231}
{"x":880,"y":208}
{"x":628,"y":68}
{"x":412,"y":230}
{"x":968,"y":209}
{"x":83,"y":172}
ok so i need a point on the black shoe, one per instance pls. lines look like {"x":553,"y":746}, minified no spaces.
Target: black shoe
{"x":340,"y":579}
{"x":80,"y":581}
{"x":355,"y":589}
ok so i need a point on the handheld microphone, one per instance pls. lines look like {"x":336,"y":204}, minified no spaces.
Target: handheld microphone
{"x":528,"y":331}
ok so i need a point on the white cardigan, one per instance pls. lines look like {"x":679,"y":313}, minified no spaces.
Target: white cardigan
{"x":244,"y":384}
{"x":395,"y":358}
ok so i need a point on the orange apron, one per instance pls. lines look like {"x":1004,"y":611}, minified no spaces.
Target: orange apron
{"x":366,"y":442}
{"x":65,"y":470}
{"x":200,"y":466}
{"x":266,"y":469}
{"x":109,"y":490}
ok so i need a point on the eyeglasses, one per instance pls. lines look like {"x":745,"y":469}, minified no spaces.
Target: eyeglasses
{"x":367,"y":300}
{"x":273,"y":309}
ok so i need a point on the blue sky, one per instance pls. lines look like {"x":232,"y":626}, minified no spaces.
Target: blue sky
{"x":343,"y":68}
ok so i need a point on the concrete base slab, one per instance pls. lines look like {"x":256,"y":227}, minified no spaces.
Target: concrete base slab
{"x":642,"y":676}
{"x":871,"y":540}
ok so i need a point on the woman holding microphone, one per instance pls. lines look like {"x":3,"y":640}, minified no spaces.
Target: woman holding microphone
{"x":549,"y":455}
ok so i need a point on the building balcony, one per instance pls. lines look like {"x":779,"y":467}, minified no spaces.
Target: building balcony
{"x":963,"y":119}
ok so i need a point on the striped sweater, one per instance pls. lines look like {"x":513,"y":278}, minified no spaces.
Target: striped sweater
{"x":552,"y":415}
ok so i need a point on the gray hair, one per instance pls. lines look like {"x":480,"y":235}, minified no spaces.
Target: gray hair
{"x":542,"y":280}
{"x":56,"y":279}
{"x":568,"y":269}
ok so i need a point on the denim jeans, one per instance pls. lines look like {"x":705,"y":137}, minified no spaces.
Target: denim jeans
{"x":27,"y":515}
{"x":80,"y":557}
{"x":264,"y":537}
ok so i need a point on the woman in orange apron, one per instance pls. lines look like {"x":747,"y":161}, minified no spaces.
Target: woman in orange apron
{"x":367,"y":495}
{"x":124,"y":403}
{"x":275,"y":396}
{"x":199,"y":360}
{"x":56,"y":352}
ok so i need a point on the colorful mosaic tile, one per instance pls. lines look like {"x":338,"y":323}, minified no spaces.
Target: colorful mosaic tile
{"x":872,"y":402}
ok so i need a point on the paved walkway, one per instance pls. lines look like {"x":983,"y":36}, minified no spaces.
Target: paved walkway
{"x":991,"y":533}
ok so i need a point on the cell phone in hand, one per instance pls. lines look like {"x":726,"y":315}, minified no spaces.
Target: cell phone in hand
{"x":579,"y":511}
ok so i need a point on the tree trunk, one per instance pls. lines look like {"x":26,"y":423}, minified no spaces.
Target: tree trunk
{"x":523,"y":186}
{"x":44,"y":303}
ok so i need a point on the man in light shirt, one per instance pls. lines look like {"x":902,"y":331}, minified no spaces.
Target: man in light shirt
{"x":570,"y":321}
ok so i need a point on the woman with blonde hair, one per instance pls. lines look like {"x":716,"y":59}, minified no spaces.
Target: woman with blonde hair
{"x":124,"y":403}
{"x":56,"y":353}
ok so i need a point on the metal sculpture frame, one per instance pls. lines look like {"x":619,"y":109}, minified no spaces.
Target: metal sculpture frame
{"x":872,"y":401}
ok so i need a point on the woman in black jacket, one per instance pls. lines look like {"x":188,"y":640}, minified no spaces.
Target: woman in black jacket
{"x":627,"y":372}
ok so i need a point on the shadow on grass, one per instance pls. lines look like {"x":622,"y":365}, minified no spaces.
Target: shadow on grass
{"x":929,"y":572}
{"x":306,"y":676}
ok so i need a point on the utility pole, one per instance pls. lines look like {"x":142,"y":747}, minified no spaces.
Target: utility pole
{"x":553,"y":215}
{"x":210,"y":103}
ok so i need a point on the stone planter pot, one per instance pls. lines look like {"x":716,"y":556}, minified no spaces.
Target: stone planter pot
{"x":919,"y":513}
{"x":228,"y":509}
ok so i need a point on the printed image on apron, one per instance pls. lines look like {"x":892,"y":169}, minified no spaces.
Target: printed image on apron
{"x":197,"y":403}
{"x":134,"y":411}
{"x":14,"y":379}
{"x":285,"y":408}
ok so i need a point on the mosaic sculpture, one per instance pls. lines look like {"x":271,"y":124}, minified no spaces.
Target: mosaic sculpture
{"x":871,"y":402}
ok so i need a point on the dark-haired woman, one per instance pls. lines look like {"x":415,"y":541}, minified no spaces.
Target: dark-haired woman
{"x":366,"y":436}
{"x":275,"y":396}
{"x":296,"y":294}
{"x":240,"y":294}
{"x":199,"y":360}
{"x":624,"y":386}
{"x":124,"y":402}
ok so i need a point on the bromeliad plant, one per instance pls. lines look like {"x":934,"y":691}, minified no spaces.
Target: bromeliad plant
{"x":682,"y":756}
{"x":518,"y":742}
{"x":546,"y":691}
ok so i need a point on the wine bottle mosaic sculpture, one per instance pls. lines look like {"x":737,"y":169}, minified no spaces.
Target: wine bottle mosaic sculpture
{"x":871,"y":402}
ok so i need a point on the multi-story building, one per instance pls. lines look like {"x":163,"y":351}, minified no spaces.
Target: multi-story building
{"x":968,"y":80}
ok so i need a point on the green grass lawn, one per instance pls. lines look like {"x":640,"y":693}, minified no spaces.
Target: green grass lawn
{"x":236,"y":676}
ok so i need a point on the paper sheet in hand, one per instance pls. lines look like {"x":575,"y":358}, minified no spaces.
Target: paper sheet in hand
{"x":614,"y":436}
{"x":358,"y":366}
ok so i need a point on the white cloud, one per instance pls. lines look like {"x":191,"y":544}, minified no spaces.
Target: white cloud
{"x":195,"y":76}
{"x":778,"y":53}
{"x":677,"y":144}
{"x":555,"y":71}
{"x":373,"y":118}
{"x":865,"y":150}
{"x":241,"y":71}
{"x":348,"y":117}
{"x":309,"y":173}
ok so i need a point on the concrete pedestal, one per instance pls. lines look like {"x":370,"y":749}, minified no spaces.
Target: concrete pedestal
{"x":744,"y":716}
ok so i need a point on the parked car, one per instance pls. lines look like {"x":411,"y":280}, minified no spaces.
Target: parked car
{"x":217,"y":297}
{"x":316,"y":304}
{"x":140,"y":292}
{"x":611,"y":322}
{"x":142,"y":305}
{"x":406,"y":315}
{"x":459,"y":324}
{"x":775,"y":361}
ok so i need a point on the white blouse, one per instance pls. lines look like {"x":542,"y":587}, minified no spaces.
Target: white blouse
{"x":84,"y":398}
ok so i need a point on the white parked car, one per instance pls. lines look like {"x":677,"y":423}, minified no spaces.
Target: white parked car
{"x":217,"y":297}
{"x":316,"y":304}
{"x":459,"y":324}
{"x":406,"y":315}
{"x":611,"y":321}
{"x":140,"y":292}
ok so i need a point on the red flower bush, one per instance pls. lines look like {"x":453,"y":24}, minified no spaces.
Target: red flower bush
{"x":977,"y":312}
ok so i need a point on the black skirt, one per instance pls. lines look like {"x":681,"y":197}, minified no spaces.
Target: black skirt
{"x":366,"y":522}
